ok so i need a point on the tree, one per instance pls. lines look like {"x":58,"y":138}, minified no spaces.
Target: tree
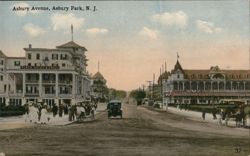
{"x":138,"y":94}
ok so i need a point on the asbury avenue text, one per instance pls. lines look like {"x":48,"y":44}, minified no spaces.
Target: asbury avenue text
{"x":55,"y":8}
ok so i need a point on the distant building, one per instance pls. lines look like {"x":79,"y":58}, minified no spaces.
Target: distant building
{"x":99,"y":87}
{"x":207,"y":86}
{"x":50,"y":75}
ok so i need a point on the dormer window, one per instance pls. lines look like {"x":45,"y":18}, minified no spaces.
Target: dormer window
{"x":38,"y":56}
{"x":178,"y":76}
{"x":17,"y":63}
{"x":29,"y":56}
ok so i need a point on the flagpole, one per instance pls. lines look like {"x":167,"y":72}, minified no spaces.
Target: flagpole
{"x":72,"y":32}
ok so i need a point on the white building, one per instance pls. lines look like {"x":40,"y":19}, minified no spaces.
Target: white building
{"x":49,"y":75}
{"x":205,"y":86}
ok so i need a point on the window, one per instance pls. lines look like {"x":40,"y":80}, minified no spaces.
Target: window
{"x":46,"y":77}
{"x":29,"y":56}
{"x":1,"y":78}
{"x":29,"y":64}
{"x":64,"y":56}
{"x":38,"y":56}
{"x":178,"y":76}
{"x":17,"y":63}
{"x":1,"y":62}
{"x":54,"y":56}
{"x":63,"y":64}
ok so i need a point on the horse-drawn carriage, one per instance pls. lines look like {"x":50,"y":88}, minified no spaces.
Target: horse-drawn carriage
{"x":234,"y":110}
{"x":85,"y":110}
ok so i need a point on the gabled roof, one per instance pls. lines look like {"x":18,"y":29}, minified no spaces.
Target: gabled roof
{"x":177,"y":67}
{"x":205,"y":74}
{"x":16,"y":57}
{"x":98,"y":75}
{"x":2,"y":54}
{"x":71,"y":44}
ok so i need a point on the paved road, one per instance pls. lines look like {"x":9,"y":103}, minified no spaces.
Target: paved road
{"x":142,"y":132}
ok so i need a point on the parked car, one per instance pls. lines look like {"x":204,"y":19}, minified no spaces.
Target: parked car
{"x":157,"y":104}
{"x":114,"y":109}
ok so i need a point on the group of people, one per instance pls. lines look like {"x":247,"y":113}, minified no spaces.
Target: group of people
{"x":43,"y":113}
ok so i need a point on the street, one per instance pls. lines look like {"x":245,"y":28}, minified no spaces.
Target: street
{"x":142,"y":131}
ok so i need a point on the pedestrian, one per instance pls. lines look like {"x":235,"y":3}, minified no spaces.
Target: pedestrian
{"x":39,"y":112}
{"x":214,"y":113}
{"x":243,"y":116}
{"x":203,"y":114}
{"x":54,"y":110}
{"x":72,"y":113}
{"x":65,"y":109}
{"x":220,"y":117}
{"x":60,"y":110}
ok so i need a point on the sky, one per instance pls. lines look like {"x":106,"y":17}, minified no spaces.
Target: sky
{"x":132,"y":40}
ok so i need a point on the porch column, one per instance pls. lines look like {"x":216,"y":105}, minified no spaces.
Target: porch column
{"x":178,"y":85}
{"x":73,"y":85}
{"x":7,"y":85}
{"x":204,"y":85}
{"x":40,"y":85}
{"x":56,"y":87}
{"x":211,"y":85}
{"x":24,"y":85}
{"x":83,"y":85}
{"x":244,"y":85}
{"x":7,"y":99}
{"x":190,"y":85}
{"x":218,"y":85}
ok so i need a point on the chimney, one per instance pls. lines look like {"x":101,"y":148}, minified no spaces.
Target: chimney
{"x":30,"y":46}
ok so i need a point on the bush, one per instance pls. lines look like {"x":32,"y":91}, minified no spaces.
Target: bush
{"x":11,"y":110}
{"x":11,"y":113}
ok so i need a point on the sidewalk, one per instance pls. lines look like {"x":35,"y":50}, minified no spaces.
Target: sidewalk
{"x":24,"y":121}
{"x":198,"y":116}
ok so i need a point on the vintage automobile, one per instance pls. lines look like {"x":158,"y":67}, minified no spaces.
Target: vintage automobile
{"x":114,"y":109}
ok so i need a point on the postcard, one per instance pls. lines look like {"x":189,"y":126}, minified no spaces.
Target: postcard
{"x":125,"y":78}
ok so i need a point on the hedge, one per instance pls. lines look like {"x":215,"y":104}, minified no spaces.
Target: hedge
{"x":11,"y":110}
{"x":10,"y":113}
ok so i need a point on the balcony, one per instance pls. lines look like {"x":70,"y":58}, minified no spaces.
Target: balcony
{"x":49,"y":81}
{"x":15,"y":94}
{"x":32,"y":81}
{"x":65,"y":95}
{"x":49,"y":95}
{"x":31,"y":94}
{"x":65,"y":82}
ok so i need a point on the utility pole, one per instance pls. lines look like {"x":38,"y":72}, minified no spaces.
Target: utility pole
{"x":153,"y":86}
{"x":149,"y":90}
{"x":72,"y":35}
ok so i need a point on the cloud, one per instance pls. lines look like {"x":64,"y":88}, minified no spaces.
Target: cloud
{"x":33,"y":30}
{"x":207,"y":27}
{"x":95,"y":31}
{"x":178,"y":19}
{"x":152,"y":34}
{"x":64,"y":21}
